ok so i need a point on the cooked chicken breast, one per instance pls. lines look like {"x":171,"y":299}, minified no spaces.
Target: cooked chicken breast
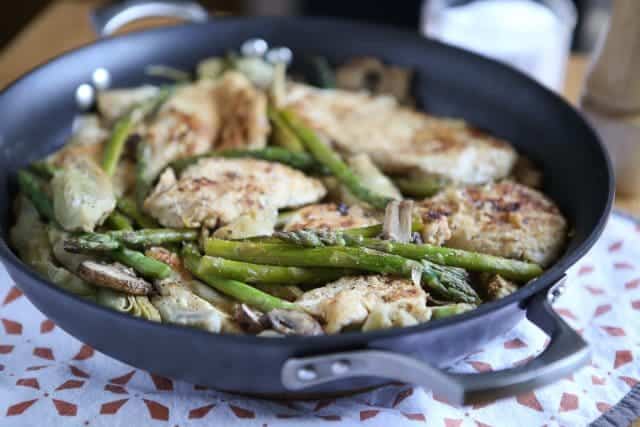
{"x":242,"y":111}
{"x":186,"y":125}
{"x":215,"y":191}
{"x":207,"y":115}
{"x":400,"y":139}
{"x":329,"y":216}
{"x":370,"y":302}
{"x":505,"y":219}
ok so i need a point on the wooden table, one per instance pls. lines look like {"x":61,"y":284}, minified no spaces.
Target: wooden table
{"x":65,"y":25}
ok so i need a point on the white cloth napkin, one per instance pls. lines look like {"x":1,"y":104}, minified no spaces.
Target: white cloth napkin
{"x":48,"y":378}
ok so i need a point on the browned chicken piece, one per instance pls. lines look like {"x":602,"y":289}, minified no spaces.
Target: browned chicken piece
{"x":369,"y":302}
{"x":207,"y":115}
{"x":186,"y":125}
{"x":329,"y":216}
{"x":215,"y":191}
{"x":505,"y":219}
{"x":399,"y":139}
{"x":242,"y":112}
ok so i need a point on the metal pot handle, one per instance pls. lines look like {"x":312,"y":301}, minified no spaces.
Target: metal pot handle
{"x":566,"y":352}
{"x":109,"y":19}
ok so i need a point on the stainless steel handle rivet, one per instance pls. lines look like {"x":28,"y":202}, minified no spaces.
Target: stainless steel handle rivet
{"x":85,"y":96}
{"x":254,"y":47}
{"x":101,"y":78}
{"x":279,"y":54}
{"x":340,"y":367}
{"x":307,"y":373}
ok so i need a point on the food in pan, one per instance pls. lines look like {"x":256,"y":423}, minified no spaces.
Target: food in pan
{"x":244,"y":201}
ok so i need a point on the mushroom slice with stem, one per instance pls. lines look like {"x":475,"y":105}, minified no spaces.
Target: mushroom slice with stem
{"x":291,"y":322}
{"x":249,"y":319}
{"x":115,"y":276}
{"x":398,"y":221}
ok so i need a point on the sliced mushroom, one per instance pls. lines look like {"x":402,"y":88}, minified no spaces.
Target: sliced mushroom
{"x":368,"y":73}
{"x":249,"y":319}
{"x":291,"y":322}
{"x":398,"y":218}
{"x":115,"y":276}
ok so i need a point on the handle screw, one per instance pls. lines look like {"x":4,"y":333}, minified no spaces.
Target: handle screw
{"x":340,"y":367}
{"x":307,"y":373}
{"x":254,"y":47}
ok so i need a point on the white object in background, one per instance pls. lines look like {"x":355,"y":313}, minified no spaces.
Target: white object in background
{"x":532,"y":36}
{"x":611,"y":98}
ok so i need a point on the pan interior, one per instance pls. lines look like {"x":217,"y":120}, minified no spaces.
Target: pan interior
{"x":37,"y":111}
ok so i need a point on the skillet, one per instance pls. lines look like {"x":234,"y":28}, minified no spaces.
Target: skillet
{"x":36,"y":113}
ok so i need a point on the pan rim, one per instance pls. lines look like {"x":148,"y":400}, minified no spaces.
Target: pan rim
{"x":550,"y":276}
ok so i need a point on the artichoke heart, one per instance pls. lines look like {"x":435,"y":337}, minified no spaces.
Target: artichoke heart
{"x":138,"y":306}
{"x":29,"y":238}
{"x":178,"y":305}
{"x":82,"y":196}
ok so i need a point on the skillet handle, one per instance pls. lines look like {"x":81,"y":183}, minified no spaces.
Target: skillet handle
{"x":107,"y":20}
{"x":565,"y":353}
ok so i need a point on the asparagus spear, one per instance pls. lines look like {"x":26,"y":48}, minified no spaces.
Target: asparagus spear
{"x":420,"y":187}
{"x":114,"y":147}
{"x":32,"y":188}
{"x":282,"y":134}
{"x":146,"y":266}
{"x":118,"y":221}
{"x":91,"y":242}
{"x":324,"y":77}
{"x":123,"y":127}
{"x":508,"y":268}
{"x":129,"y":208}
{"x":269,"y":274}
{"x":144,"y":179}
{"x":326,"y":156}
{"x":140,"y":238}
{"x":44,"y":169}
{"x":297,"y":160}
{"x":444,"y":281}
{"x":236,"y":289}
{"x":440,"y":312}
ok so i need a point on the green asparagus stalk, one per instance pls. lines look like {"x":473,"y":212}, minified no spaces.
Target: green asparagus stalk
{"x":282,"y":134}
{"x":325,"y":155}
{"x":236,"y":289}
{"x":44,"y":169}
{"x":440,"y":312}
{"x":123,"y":127}
{"x":420,"y":187}
{"x":118,"y":221}
{"x":451,"y":285}
{"x":269,"y":274}
{"x":146,"y":266}
{"x":323,"y":73}
{"x":114,"y":147}
{"x":91,"y":242}
{"x":139,"y":238}
{"x":31,"y":187}
{"x":519,"y":271}
{"x":144,"y":179}
{"x":296,"y":160}
{"x":129,"y":208}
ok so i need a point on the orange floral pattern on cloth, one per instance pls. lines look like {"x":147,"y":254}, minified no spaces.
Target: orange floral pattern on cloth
{"x":49,"y":378}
